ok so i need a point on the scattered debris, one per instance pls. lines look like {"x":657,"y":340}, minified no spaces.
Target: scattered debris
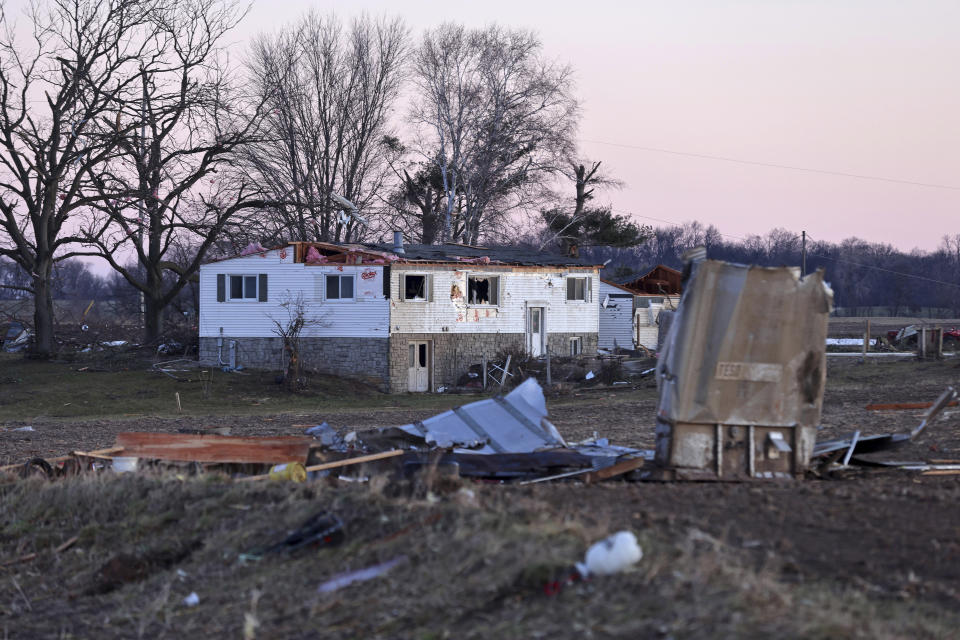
{"x":321,"y":529}
{"x":362,"y":575}
{"x":515,"y":423}
{"x":192,"y":600}
{"x":829,"y":451}
{"x":613,"y":554}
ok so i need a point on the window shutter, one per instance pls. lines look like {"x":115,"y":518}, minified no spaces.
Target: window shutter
{"x":589,"y":292}
{"x":221,"y":287}
{"x":429,"y":285}
{"x":262,"y":288}
{"x":401,"y":286}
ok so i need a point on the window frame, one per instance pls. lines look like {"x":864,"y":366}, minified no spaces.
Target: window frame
{"x":497,"y":289}
{"x":339,"y":299}
{"x":243,"y":285}
{"x":427,"y":287}
{"x":575,"y":340}
{"x":587,"y":282}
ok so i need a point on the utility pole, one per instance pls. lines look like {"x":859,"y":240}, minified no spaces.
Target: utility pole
{"x":803,"y":256}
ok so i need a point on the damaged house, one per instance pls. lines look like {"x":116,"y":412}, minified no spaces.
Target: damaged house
{"x":630,"y":307}
{"x":406,"y":318}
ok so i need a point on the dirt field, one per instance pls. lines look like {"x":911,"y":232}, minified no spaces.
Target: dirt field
{"x":871,"y":554}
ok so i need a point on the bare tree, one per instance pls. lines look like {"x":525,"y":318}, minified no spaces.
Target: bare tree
{"x":289,"y":330}
{"x":497,"y":119}
{"x":172,"y":180}
{"x":329,"y":90}
{"x":78,"y":68}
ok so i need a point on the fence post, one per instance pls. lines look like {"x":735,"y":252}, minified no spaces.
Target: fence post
{"x":549,"y":381}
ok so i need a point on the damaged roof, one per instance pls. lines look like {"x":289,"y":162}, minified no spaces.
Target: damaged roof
{"x":460,"y":252}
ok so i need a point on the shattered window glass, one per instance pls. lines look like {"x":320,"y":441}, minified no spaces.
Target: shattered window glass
{"x":414,"y":287}
{"x":423,"y":354}
{"x":483,"y":289}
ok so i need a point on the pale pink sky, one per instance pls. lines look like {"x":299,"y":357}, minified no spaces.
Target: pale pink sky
{"x":864,"y":87}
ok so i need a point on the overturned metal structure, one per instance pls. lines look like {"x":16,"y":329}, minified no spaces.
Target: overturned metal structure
{"x":742,"y":374}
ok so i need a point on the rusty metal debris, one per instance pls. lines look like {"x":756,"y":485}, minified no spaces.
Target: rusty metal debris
{"x":830,"y":451}
{"x":742,"y":373}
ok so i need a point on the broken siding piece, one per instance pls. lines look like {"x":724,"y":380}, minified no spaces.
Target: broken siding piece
{"x":211,"y":448}
{"x":515,"y":423}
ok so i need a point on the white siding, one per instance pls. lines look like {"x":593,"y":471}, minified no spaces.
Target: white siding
{"x":645,"y":319}
{"x":518,"y":291}
{"x":367,"y":316}
{"x":616,"y":320}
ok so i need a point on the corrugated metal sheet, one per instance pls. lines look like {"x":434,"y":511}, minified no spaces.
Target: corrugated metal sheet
{"x":515,"y":423}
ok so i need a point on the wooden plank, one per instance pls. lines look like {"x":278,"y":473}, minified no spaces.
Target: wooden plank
{"x":620,"y":468}
{"x":350,"y":461}
{"x":898,"y":406}
{"x":941,"y":472}
{"x":99,"y":453}
{"x":338,"y":463}
{"x":188,"y":447}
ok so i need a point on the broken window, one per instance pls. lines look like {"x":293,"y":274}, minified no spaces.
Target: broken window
{"x":483,"y":290}
{"x":576,"y":346}
{"x":339,"y":287}
{"x":414,"y":287}
{"x":577,"y":289}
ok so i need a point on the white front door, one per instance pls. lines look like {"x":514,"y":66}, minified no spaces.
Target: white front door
{"x":535,"y":325}
{"x":419,"y":372}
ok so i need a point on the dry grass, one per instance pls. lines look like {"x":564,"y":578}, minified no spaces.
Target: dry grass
{"x":122,"y":384}
{"x":478,"y":560}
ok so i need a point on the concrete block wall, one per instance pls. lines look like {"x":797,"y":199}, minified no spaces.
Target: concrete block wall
{"x":361,"y":358}
{"x":454,"y":353}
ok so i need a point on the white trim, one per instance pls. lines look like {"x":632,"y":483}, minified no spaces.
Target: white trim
{"x":243,"y":285}
{"x":340,"y":300}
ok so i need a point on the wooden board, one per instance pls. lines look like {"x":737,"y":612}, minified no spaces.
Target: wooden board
{"x":346,"y":462}
{"x":188,"y":447}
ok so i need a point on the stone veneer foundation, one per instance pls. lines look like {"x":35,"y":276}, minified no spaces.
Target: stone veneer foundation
{"x":384,"y":362}
{"x":453,"y":353}
{"x":361,"y":358}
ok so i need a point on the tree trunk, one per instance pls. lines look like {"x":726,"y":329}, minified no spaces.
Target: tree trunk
{"x":44,"y":345}
{"x":152,"y":319}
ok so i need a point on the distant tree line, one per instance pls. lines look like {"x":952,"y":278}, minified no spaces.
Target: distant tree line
{"x":862,"y":274}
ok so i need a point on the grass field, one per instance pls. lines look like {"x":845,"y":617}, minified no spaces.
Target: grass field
{"x":858,"y":555}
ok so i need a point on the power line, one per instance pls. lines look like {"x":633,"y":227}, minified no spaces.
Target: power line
{"x":875,"y":268}
{"x":772,"y":165}
{"x":813,"y":255}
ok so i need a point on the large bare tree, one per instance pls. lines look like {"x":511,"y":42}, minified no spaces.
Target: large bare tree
{"x":172,"y":181}
{"x":496,"y":117}
{"x":330,"y":90}
{"x":75,"y":64}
